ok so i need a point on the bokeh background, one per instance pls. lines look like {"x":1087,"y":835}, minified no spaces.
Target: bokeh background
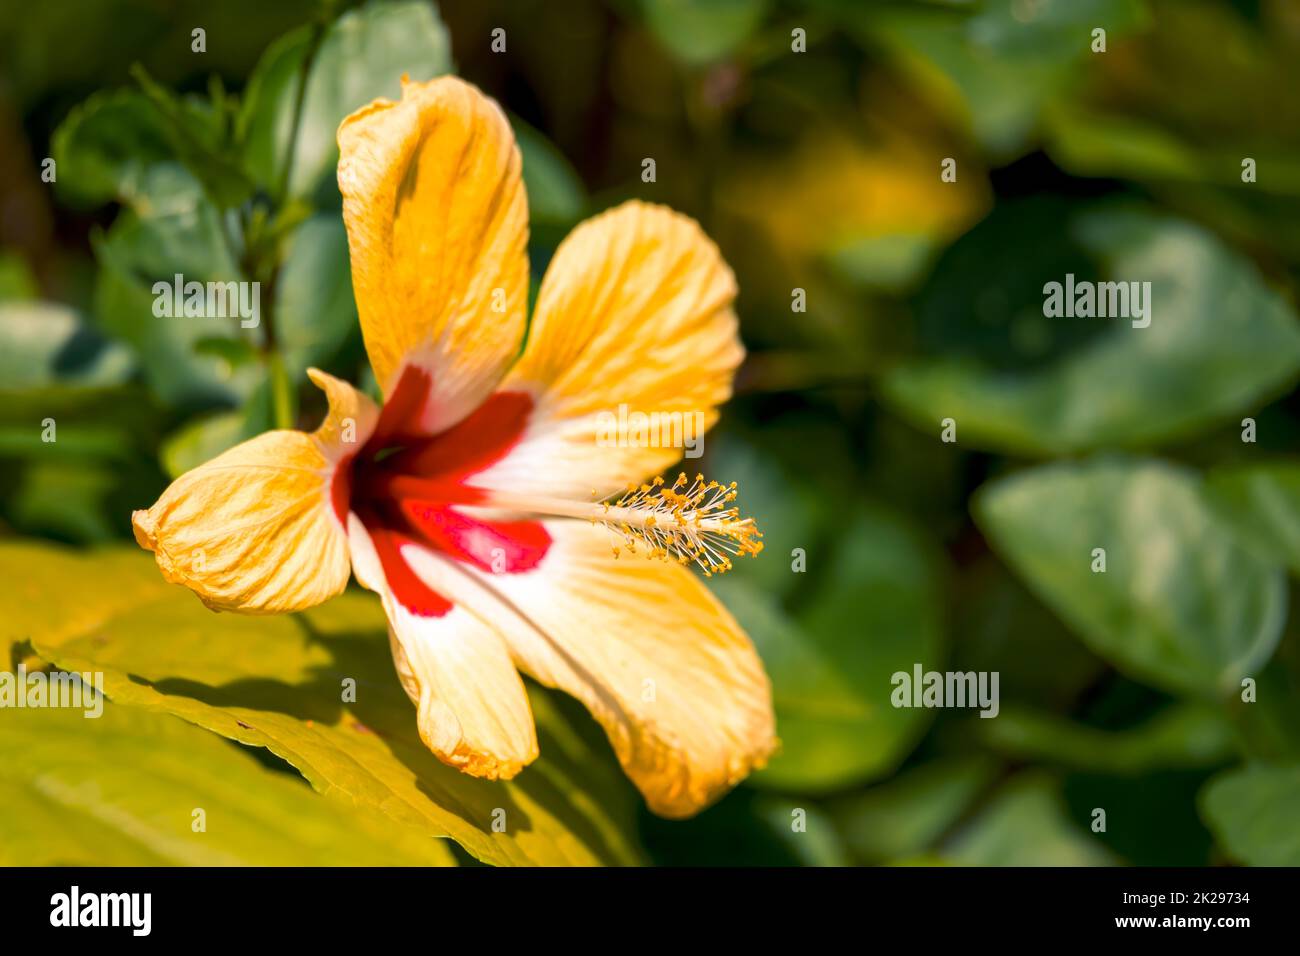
{"x":1163,"y":690}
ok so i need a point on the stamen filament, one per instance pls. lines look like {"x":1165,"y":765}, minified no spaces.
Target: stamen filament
{"x":686,"y":521}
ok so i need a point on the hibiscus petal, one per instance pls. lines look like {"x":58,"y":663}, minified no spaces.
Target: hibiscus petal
{"x":437,"y":224}
{"x":644,"y":645}
{"x":257,"y":529}
{"x":471,"y":706}
{"x":634,"y":311}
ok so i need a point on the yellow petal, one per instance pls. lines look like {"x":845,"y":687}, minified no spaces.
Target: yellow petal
{"x":257,"y":529}
{"x":658,"y":661}
{"x":471,"y":707}
{"x":351,"y":418}
{"x":437,"y":225}
{"x":633,"y":317}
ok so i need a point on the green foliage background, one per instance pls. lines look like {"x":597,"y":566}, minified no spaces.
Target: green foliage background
{"x":814,"y":170}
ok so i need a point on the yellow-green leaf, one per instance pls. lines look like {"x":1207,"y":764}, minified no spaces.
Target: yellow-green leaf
{"x":130,"y":787}
{"x":1252,"y":811}
{"x":279,"y":682}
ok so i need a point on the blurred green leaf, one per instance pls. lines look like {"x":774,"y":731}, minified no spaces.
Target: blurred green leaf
{"x":1130,"y":121}
{"x":199,"y":132}
{"x":806,"y":831}
{"x":555,"y":194}
{"x":1253,"y":812}
{"x":46,"y":342}
{"x":114,"y":423}
{"x":171,"y":229}
{"x":1098,"y":145}
{"x":747,"y":828}
{"x":276,"y":682}
{"x":1000,"y":626}
{"x":891,"y":262}
{"x":63,"y":499}
{"x":1181,"y":604}
{"x":361,"y":57}
{"x":701,"y":31}
{"x":1185,"y":735}
{"x":1150,"y":820}
{"x":902,"y":817}
{"x":121,"y":789}
{"x":202,"y":440}
{"x":1219,"y":340}
{"x":984,"y":300}
{"x":874,"y":610}
{"x":17,"y":283}
{"x":1263,"y":503}
{"x":786,"y":508}
{"x":1269,"y":717}
{"x":104,"y":146}
{"x":996,"y":64}
{"x":1027,"y":824}
{"x":234,"y":352}
{"x":73,"y":459}
{"x":315,"y":313}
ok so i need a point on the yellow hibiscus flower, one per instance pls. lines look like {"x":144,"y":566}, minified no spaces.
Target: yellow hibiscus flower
{"x":466,"y":502}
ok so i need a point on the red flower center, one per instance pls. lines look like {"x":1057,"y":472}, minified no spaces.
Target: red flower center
{"x":407,"y":487}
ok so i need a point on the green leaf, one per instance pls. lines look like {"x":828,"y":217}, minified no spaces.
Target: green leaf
{"x":902,"y":817}
{"x":361,"y":57}
{"x":1181,"y":604}
{"x":984,"y":299}
{"x":265,"y":125}
{"x":555,"y":194}
{"x":42,"y":343}
{"x":999,"y":626}
{"x":891,"y":263}
{"x":1182,"y":736}
{"x":1134,"y":124}
{"x":121,"y":790}
{"x":784,"y":506}
{"x":1269,"y":717}
{"x":202,"y":440}
{"x":104,"y":146}
{"x":747,"y":829}
{"x":1219,"y":340}
{"x":171,"y":229}
{"x":114,"y":423}
{"x":702,"y":31}
{"x":995,"y":65}
{"x":1252,"y":812}
{"x":199,"y":134}
{"x":1151,"y":820}
{"x":1097,"y":144}
{"x":277,"y":682}
{"x":234,"y":352}
{"x":1263,"y":504}
{"x":815,"y":843}
{"x":316,"y":314}
{"x":17,"y":281}
{"x":874,"y":611}
{"x":1026,"y":823}
{"x":63,"y":499}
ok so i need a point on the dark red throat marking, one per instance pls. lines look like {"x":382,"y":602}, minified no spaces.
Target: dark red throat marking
{"x":407,"y":486}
